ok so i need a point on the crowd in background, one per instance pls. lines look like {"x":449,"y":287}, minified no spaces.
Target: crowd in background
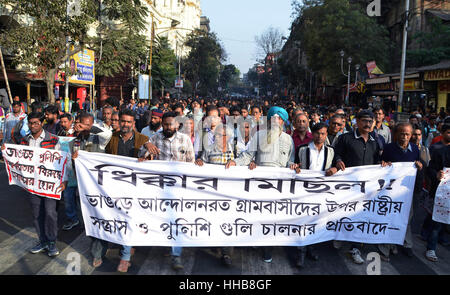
{"x":229,"y":132}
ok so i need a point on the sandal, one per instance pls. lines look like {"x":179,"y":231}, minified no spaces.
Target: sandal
{"x":123,"y":266}
{"x":97,"y":262}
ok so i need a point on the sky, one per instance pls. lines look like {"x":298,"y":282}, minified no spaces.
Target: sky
{"x":237,"y":22}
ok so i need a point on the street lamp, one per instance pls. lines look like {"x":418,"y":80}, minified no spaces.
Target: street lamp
{"x":349,"y":60}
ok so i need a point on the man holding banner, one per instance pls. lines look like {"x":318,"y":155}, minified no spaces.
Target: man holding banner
{"x":269,"y":147}
{"x":172,"y":146}
{"x":126,"y":143}
{"x":45,"y":216}
{"x":315,"y":156}
{"x":401,"y":150}
{"x":358,"y":148}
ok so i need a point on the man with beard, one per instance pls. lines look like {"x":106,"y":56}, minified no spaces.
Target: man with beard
{"x":171,"y":146}
{"x":67,"y":127}
{"x":154,"y":125}
{"x":270,"y":147}
{"x":51,"y":117}
{"x":127,"y":143}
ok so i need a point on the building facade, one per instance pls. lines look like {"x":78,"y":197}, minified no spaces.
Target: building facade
{"x":174,"y":19}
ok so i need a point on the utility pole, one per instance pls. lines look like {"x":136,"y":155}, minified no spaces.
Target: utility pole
{"x":150,"y":62}
{"x":67,"y":72}
{"x":403,"y":65}
{"x":5,"y":75}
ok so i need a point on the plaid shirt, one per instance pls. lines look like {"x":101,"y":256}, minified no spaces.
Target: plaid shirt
{"x":177,"y":148}
{"x":217,"y":156}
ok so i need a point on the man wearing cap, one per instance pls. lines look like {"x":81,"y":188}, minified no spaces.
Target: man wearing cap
{"x":358,"y":148}
{"x":269,"y":147}
{"x":154,"y":126}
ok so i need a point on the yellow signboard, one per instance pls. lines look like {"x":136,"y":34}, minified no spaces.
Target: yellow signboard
{"x":82,"y":67}
{"x":437,"y":75}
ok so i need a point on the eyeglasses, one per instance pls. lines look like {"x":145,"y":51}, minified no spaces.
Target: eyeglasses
{"x":367,"y":121}
{"x":34,"y":123}
{"x":335,"y":123}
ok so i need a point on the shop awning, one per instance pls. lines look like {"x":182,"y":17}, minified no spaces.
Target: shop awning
{"x":407,"y":76}
{"x":378,"y":80}
{"x":440,"y":13}
{"x":384,"y":93}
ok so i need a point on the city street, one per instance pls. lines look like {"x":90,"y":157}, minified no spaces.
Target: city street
{"x":215,"y":124}
{"x":17,"y":236}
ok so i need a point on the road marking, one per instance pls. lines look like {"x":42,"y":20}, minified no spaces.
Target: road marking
{"x":442,"y":266}
{"x":17,"y":246}
{"x":361,"y":269}
{"x":10,"y":224}
{"x":59,"y":264}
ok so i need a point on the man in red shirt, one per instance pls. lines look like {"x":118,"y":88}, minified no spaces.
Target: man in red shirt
{"x":301,"y":135}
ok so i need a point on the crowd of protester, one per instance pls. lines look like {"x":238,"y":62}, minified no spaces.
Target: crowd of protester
{"x":229,"y":132}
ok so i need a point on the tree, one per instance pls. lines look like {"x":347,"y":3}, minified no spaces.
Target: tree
{"x":42,"y":43}
{"x":163,"y":64}
{"x":202,"y":65}
{"x":269,"y":42}
{"x":325,"y":27}
{"x":229,"y":76}
{"x":434,"y":46}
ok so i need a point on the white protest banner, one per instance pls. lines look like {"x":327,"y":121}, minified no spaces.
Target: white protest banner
{"x":441,"y":209}
{"x":39,"y":171}
{"x":158,"y":203}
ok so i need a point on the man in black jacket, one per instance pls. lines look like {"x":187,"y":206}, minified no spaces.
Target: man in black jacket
{"x":358,"y":148}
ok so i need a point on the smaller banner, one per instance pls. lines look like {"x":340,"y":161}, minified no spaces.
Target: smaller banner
{"x":37,"y":170}
{"x":143,"y":87}
{"x":373,"y":69}
{"x":82,"y":67}
{"x":179,"y":83}
{"x":441,"y":209}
